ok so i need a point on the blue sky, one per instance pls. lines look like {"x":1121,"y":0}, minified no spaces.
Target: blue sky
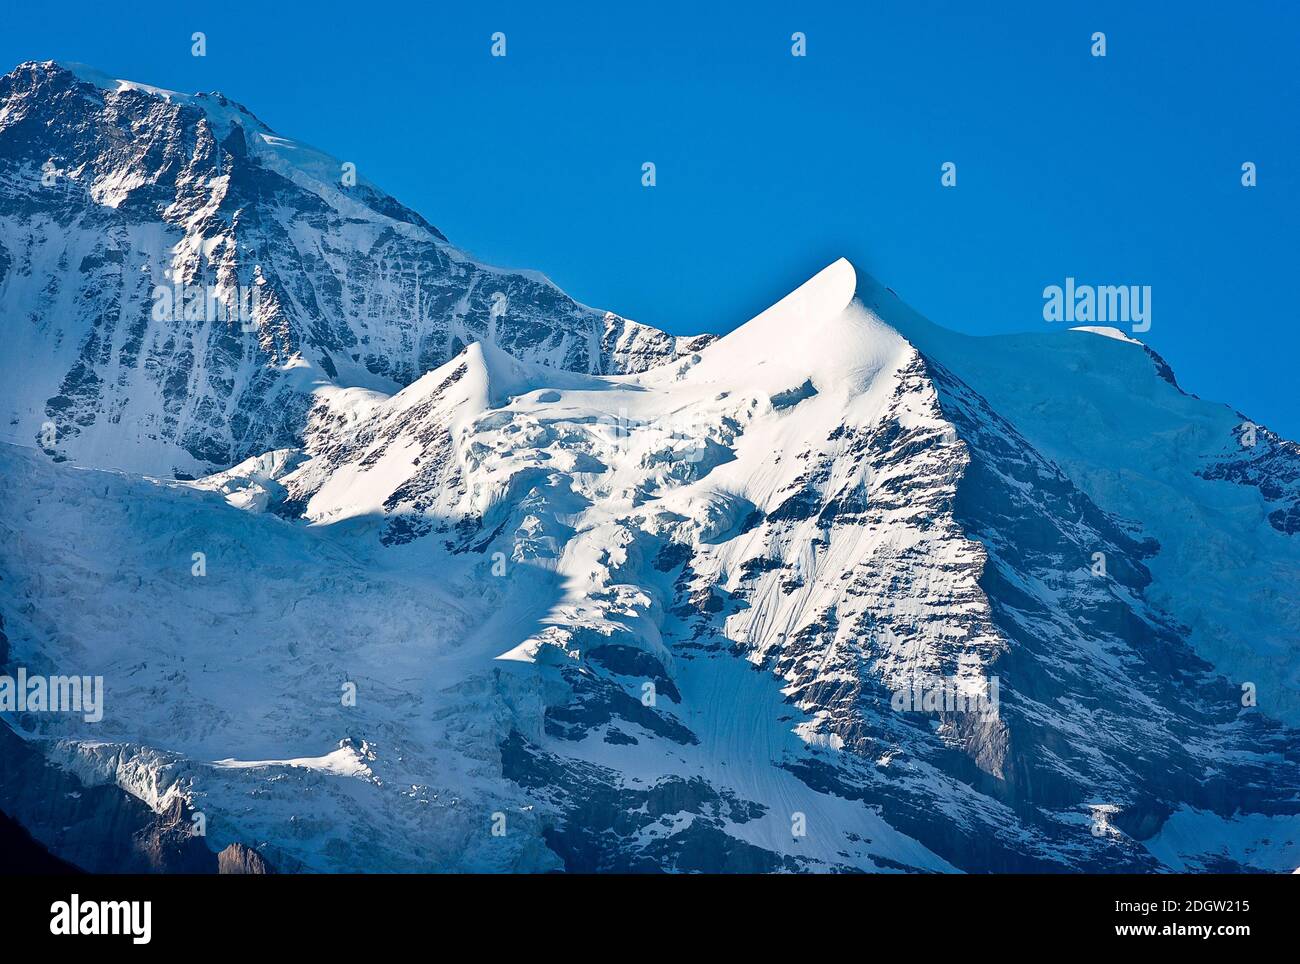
{"x":1122,"y":170}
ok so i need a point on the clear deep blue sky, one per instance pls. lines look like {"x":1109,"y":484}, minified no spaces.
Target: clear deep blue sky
{"x":1117,"y":170}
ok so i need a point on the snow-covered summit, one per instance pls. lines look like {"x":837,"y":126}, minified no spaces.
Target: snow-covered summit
{"x":1107,"y":332}
{"x":219,"y":108}
{"x":186,"y":278}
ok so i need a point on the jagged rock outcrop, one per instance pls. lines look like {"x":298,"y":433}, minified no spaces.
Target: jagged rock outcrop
{"x":238,"y":859}
{"x":98,"y":828}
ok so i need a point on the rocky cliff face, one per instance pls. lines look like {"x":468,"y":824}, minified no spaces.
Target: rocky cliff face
{"x":96,"y":827}
{"x":238,"y":859}
{"x":186,"y":277}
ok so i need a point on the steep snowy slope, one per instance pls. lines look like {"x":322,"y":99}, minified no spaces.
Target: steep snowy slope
{"x":176,"y":278}
{"x":230,"y":692}
{"x":649,"y":621}
{"x":1216,"y":492}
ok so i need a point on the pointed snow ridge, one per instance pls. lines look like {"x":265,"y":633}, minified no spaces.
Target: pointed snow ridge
{"x":488,"y":377}
{"x":477,"y":378}
{"x":788,"y":334}
{"x":506,"y":376}
{"x":815,"y":333}
{"x":1107,"y":332}
{"x":803,"y":313}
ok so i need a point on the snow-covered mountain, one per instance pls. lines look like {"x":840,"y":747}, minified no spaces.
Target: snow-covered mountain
{"x":841,"y":590}
{"x":188,"y":277}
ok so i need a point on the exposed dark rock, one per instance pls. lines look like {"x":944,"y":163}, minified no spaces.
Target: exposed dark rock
{"x":238,"y":859}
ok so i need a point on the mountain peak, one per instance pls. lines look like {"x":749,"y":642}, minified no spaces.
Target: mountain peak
{"x":122,"y":191}
{"x":804,"y":315}
{"x":216,"y":104}
{"x":818,"y":332}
